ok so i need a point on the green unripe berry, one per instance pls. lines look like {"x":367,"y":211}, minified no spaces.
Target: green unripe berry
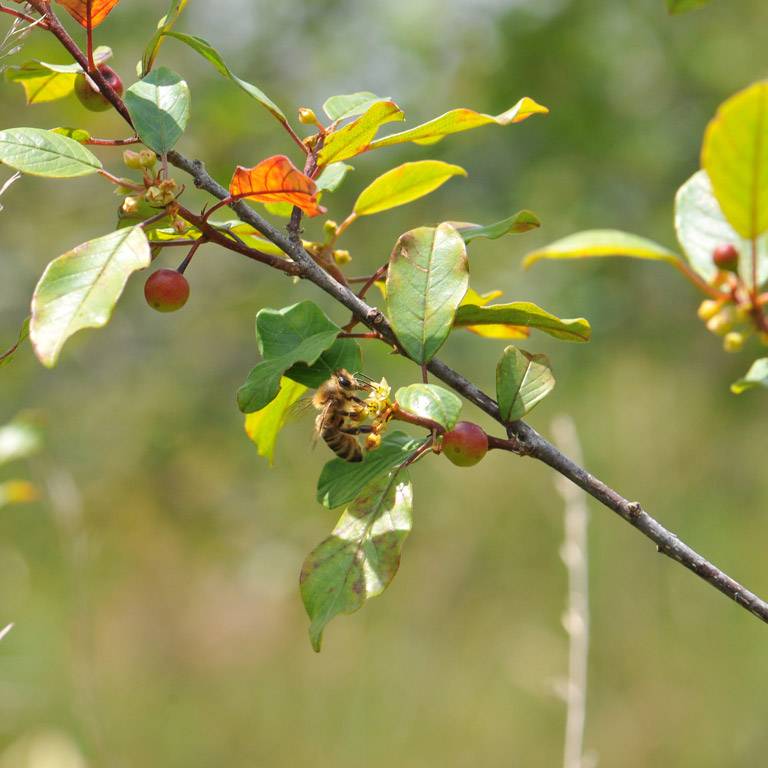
{"x":465,"y":444}
{"x":147,"y":159}
{"x":166,"y":290}
{"x":89,"y":94}
{"x":132,"y":159}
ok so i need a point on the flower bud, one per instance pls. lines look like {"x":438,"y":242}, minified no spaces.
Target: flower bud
{"x":722,"y":322}
{"x":342,"y":257}
{"x":132,"y":159}
{"x":726,"y":257}
{"x":307,"y":116}
{"x":131,"y":205}
{"x":733,"y":341}
{"x":147,"y":158}
{"x":330,"y":228}
{"x":708,"y":309}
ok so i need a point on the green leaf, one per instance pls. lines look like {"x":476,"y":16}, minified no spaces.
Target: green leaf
{"x":299,"y":333}
{"x":361,"y":556}
{"x":210,"y":54}
{"x":756,"y":376}
{"x":427,"y":278}
{"x":159,"y":107}
{"x":601,"y":242}
{"x":349,"y":105}
{"x":342,"y":481}
{"x":735,"y":156}
{"x":344,"y":353}
{"x":701,"y":227}
{"x":44,"y":153}
{"x":79,"y":289}
{"x":681,"y":6}
{"x":522,"y":221}
{"x":263,"y":426}
{"x":404,"y":184}
{"x":18,"y":440}
{"x":522,"y":381}
{"x":164,"y":26}
{"x":332,"y":176}
{"x":458,"y":120}
{"x":355,"y":137}
{"x":7,"y":356}
{"x":524,"y":313}
{"x":430,"y":402}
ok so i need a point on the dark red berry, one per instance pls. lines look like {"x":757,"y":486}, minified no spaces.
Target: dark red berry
{"x":89,"y":94}
{"x":726,"y":257}
{"x":166,"y":290}
{"x":465,"y":444}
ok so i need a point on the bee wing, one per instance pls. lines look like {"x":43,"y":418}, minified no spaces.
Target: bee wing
{"x":299,"y":409}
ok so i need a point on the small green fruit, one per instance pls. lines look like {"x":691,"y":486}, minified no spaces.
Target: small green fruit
{"x":131,"y":159}
{"x":166,"y":290}
{"x":88,"y":93}
{"x":465,"y":444}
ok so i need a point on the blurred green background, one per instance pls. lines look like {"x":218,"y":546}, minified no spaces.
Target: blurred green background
{"x":154,"y":585}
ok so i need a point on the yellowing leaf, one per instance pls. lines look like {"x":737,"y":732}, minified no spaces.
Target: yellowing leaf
{"x":263,"y":426}
{"x":88,"y":12}
{"x":458,"y":120}
{"x":404,"y":184}
{"x":735,"y":156}
{"x":496,"y":330}
{"x":276,"y":180}
{"x":355,"y":137}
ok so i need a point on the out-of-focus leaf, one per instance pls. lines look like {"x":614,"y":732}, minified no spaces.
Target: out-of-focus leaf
{"x":44,"y":82}
{"x":5,"y":631}
{"x":341,"y":481}
{"x":361,"y":556}
{"x":18,"y":440}
{"x":681,"y":6}
{"x":17,"y":492}
{"x":522,"y":221}
{"x":756,"y":376}
{"x":332,"y":176}
{"x":299,"y":333}
{"x":263,"y":426}
{"x":349,"y":105}
{"x":430,"y":402}
{"x":159,"y":106}
{"x":44,"y":153}
{"x":404,"y":184}
{"x":276,"y":180}
{"x":601,"y":242}
{"x":426,"y":281}
{"x":522,"y":381}
{"x":164,"y":26}
{"x":7,"y":184}
{"x":702,"y":227}
{"x":344,"y":353}
{"x":524,"y":313}
{"x":210,"y":54}
{"x":355,"y":137}
{"x":458,"y":120}
{"x":7,"y":356}
{"x":80,"y":289}
{"x":88,"y":12}
{"x":735,"y":156}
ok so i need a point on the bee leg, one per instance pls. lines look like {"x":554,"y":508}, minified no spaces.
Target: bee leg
{"x":364,"y":429}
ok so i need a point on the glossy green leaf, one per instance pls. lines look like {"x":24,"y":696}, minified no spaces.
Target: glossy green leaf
{"x":522,"y":381}
{"x":164,"y":26}
{"x":601,"y":242}
{"x":756,"y":376}
{"x":344,"y":353}
{"x":44,"y":153}
{"x":403,"y":184}
{"x":332,"y":177}
{"x":299,"y":333}
{"x":430,"y":401}
{"x":458,"y":120}
{"x":701,"y":227}
{"x":210,"y":54}
{"x":681,"y":6}
{"x":361,"y":556}
{"x":349,"y":105}
{"x":18,"y":440}
{"x":159,"y":107}
{"x":342,"y":481}
{"x":43,"y":82}
{"x":735,"y":156}
{"x":80,"y":289}
{"x":524,"y":313}
{"x":355,"y":137}
{"x":427,"y":278}
{"x":9,"y":354}
{"x":522,"y":221}
{"x":263,"y":426}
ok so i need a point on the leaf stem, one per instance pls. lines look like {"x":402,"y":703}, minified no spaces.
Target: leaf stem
{"x":24,"y":17}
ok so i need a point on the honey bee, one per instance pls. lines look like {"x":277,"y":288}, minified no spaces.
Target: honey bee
{"x":342,"y":413}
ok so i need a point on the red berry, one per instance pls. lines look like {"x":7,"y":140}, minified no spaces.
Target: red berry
{"x":726,"y":257}
{"x":89,"y":94}
{"x":166,"y":290}
{"x":465,"y":444}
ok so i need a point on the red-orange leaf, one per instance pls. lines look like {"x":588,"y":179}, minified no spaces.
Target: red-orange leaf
{"x":276,"y":180}
{"x":78,"y":10}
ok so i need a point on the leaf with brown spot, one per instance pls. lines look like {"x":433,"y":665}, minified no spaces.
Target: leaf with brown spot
{"x":79,"y":10}
{"x":276,"y":180}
